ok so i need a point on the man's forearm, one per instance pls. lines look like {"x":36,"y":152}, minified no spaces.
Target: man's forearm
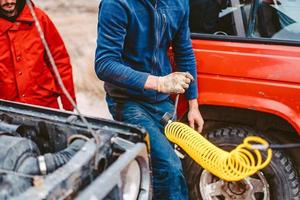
{"x":194,"y":116}
{"x":184,"y":55}
{"x":151,"y":83}
{"x":193,"y":104}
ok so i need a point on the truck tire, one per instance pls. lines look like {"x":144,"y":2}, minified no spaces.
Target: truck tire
{"x":279,"y":180}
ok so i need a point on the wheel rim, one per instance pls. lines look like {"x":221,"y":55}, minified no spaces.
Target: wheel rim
{"x":251,"y":188}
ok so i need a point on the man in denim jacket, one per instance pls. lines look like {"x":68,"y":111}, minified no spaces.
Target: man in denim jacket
{"x":131,"y":57}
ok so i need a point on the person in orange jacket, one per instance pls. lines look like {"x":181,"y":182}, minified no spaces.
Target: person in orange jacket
{"x":25,"y":71}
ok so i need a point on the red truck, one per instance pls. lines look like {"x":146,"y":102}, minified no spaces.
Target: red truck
{"x":248,"y":59}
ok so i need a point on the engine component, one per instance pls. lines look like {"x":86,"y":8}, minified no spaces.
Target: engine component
{"x":57,"y":139}
{"x":20,"y":155}
{"x":16,"y":155}
{"x":8,"y":129}
{"x":54,"y":161}
{"x":15,"y":151}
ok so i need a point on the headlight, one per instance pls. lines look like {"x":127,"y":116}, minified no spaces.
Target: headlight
{"x":131,"y":179}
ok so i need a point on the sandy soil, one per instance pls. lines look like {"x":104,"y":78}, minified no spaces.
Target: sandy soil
{"x":76,"y":21}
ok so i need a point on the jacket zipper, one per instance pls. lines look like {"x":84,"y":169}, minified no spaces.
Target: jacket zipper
{"x":164,"y":20}
{"x":157,"y":41}
{"x":158,"y":36}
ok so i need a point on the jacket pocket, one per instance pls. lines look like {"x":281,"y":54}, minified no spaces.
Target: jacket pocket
{"x":45,"y":85}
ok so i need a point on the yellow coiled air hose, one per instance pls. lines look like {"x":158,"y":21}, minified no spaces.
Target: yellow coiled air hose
{"x":240,"y":163}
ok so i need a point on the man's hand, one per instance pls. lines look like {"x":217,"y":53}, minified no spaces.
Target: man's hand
{"x":194,"y":116}
{"x":176,"y":82}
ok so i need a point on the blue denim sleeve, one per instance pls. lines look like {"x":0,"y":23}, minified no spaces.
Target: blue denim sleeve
{"x":184,"y":55}
{"x":112,"y":22}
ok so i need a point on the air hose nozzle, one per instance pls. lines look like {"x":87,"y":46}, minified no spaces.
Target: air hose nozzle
{"x":166,"y":119}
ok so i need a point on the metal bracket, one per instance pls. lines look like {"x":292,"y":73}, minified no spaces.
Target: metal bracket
{"x":122,"y":144}
{"x":42,"y":165}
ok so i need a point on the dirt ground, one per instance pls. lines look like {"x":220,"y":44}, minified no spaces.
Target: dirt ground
{"x":76,"y":21}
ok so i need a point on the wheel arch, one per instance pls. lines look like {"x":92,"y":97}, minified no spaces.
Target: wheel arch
{"x":218,"y":107}
{"x":217,"y":116}
{"x":247,"y":117}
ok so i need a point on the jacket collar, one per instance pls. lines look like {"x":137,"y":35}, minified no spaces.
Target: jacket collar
{"x":25,"y":16}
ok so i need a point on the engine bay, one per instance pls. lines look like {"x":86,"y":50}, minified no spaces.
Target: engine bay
{"x":48,"y":154}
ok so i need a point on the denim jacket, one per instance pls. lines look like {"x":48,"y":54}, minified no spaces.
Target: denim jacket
{"x":133,"y":41}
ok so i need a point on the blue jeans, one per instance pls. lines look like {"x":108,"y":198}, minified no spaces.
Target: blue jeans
{"x":168,"y":180}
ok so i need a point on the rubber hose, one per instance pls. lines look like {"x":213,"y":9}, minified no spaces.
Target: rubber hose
{"x":54,"y":161}
{"x":12,"y":185}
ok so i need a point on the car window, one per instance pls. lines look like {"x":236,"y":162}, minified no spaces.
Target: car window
{"x":219,"y":17}
{"x":278,"y":19}
{"x":274,"y":19}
